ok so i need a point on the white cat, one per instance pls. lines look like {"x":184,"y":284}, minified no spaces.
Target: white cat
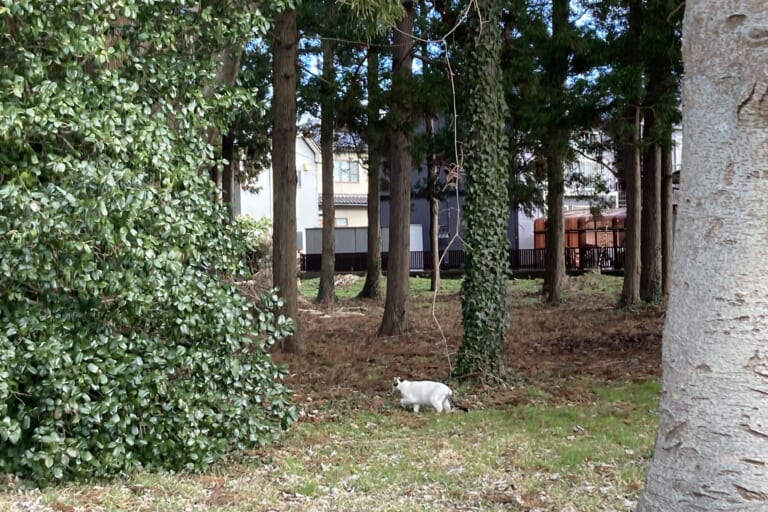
{"x":423,"y":392}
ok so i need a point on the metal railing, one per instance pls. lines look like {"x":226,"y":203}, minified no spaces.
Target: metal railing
{"x":576,"y":258}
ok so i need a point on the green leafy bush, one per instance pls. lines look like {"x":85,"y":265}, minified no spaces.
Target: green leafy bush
{"x":256,"y":235}
{"x":120,"y":345}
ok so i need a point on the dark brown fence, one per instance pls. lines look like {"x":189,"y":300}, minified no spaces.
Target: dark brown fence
{"x":578,"y":258}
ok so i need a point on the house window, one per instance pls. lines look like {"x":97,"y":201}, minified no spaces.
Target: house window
{"x":341,"y":221}
{"x":298,"y":178}
{"x":345,"y":171}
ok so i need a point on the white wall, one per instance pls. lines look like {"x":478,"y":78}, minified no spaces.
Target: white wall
{"x":525,"y":229}
{"x":356,"y":216}
{"x":308,"y":163}
{"x":259,"y":204}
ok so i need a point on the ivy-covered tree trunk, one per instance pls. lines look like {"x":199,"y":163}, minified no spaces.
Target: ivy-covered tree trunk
{"x":486,"y":207}
{"x":650,"y":230}
{"x":284,"y":167}
{"x":372,"y":286}
{"x":325,"y":292}
{"x":397,"y":303}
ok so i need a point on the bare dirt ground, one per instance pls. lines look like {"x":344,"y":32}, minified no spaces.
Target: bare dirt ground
{"x":586,"y":338}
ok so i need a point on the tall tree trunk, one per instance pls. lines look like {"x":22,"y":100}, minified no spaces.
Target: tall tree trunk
{"x":711,"y":450}
{"x":397,"y":303}
{"x":325,"y":292}
{"x":555,"y":150}
{"x":372,"y":287}
{"x":629,"y":142}
{"x":667,"y":214}
{"x":227,"y":68}
{"x":228,"y":174}
{"x":554,"y":256}
{"x":284,"y":169}
{"x":661,"y":57}
{"x":434,"y":207}
{"x":630,"y":158}
{"x":486,"y":205}
{"x":650,"y":230}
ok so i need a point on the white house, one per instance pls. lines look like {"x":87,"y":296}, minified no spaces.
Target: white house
{"x":257,"y":201}
{"x":350,"y":190}
{"x":350,"y":183}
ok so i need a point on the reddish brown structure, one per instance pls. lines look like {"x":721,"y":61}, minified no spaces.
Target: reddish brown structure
{"x":582,"y":229}
{"x":589,"y":239}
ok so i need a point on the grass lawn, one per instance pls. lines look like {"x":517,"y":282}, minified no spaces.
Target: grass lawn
{"x":546,"y":454}
{"x":575,"y":434}
{"x":419,"y":287}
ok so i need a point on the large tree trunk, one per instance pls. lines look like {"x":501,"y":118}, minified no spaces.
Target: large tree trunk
{"x":397,"y":303}
{"x":372,"y":287}
{"x":284,"y":169}
{"x":630,"y":159}
{"x":650,"y":230}
{"x":712,"y":447}
{"x":667,"y":215}
{"x":554,"y":257}
{"x":486,"y":205}
{"x":660,"y":105}
{"x":629,"y":148}
{"x":434,"y":207}
{"x":325,"y":292}
{"x":555,"y":150}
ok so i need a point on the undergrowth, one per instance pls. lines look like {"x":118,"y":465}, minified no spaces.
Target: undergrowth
{"x":547,"y":454}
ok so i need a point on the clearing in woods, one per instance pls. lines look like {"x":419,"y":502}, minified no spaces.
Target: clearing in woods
{"x":586,"y":336}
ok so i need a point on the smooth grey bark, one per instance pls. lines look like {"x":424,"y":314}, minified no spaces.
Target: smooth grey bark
{"x":284,"y":271}
{"x":712,"y":446}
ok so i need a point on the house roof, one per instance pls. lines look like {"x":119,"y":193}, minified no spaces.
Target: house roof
{"x":343,"y":141}
{"x":312,"y":145}
{"x":346,"y":200}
